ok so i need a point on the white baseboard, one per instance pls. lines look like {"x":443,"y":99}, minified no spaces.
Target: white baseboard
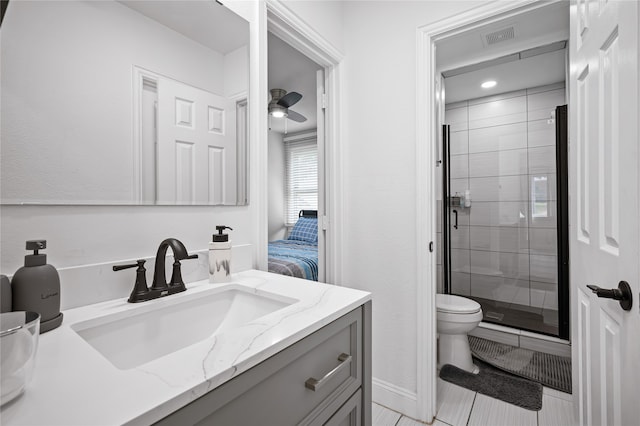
{"x":395,"y":398}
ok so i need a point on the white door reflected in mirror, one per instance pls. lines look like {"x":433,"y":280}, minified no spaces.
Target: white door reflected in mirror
{"x":79,"y":117}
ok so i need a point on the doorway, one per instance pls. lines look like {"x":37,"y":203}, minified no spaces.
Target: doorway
{"x":294,"y":184}
{"x":287,"y":27}
{"x":431,"y":104}
{"x":603,"y":71}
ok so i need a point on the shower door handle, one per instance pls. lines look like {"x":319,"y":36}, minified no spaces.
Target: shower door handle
{"x":455,"y":212}
{"x":622,"y":294}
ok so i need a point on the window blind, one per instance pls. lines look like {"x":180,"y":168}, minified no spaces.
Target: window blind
{"x":301,"y":180}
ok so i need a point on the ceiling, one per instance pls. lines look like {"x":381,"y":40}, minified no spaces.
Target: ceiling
{"x":206,"y":22}
{"x":534,"y":28}
{"x":540,"y":27}
{"x":520,"y":74}
{"x":294,"y":72}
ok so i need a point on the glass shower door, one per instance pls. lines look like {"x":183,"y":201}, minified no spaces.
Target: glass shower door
{"x":500,"y":221}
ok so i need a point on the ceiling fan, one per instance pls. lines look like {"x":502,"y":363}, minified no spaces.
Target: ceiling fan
{"x":280,"y":103}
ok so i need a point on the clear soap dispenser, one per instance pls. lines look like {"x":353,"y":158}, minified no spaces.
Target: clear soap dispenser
{"x":220,"y":256}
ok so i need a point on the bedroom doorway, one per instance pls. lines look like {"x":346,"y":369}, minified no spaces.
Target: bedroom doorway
{"x":288,"y":27}
{"x":296,"y":199}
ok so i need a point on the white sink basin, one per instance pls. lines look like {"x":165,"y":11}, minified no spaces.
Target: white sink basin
{"x":137,"y":336}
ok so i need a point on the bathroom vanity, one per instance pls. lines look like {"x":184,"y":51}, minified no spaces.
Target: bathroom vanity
{"x":265,"y":349}
{"x":316,"y":381}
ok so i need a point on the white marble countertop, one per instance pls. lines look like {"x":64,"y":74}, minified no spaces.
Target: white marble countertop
{"x":73,"y":384}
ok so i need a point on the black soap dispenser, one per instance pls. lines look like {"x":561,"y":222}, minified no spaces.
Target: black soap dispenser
{"x":36,"y":287}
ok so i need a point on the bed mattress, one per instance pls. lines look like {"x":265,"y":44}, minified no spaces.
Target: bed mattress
{"x":294,"y":258}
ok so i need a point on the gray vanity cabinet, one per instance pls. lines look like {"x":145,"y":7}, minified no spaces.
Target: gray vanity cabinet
{"x":350,"y":413}
{"x":323,"y":379}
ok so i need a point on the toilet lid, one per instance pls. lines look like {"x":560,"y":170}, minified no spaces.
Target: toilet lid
{"x":456,"y":304}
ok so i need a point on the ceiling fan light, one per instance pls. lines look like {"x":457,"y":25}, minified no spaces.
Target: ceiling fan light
{"x":277,"y":111}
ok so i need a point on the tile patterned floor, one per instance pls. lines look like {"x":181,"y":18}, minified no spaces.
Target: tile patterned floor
{"x":458,"y":406}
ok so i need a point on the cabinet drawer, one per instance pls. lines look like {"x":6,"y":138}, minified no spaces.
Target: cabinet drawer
{"x":279,"y":390}
{"x":350,"y":414}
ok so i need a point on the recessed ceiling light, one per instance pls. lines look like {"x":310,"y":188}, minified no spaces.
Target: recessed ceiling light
{"x":488,"y":84}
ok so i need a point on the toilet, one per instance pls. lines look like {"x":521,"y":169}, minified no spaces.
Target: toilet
{"x":456,"y":317}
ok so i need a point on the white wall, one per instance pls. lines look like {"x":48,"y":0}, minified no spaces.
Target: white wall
{"x":82,"y":235}
{"x":379,"y":120}
{"x":67,"y":73}
{"x":325,"y":17}
{"x":277,"y":229}
{"x":236,"y":72}
{"x":80,"y":238}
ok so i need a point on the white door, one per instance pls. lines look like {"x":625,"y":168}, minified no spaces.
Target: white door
{"x":322,"y":177}
{"x":196,"y":146}
{"x":605,"y":209}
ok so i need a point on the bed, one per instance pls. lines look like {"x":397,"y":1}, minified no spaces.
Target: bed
{"x":297,"y":256}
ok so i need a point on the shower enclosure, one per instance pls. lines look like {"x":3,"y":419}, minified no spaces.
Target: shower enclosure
{"x":504,"y":210}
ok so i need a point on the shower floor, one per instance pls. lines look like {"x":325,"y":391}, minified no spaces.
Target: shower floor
{"x":524,"y":317}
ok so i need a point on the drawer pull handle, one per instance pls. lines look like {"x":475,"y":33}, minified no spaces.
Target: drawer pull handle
{"x":315,"y":384}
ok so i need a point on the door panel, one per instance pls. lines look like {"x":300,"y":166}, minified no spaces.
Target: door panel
{"x":196,"y":146}
{"x":185,"y":171}
{"x":604,"y":208}
{"x":583,"y":343}
{"x":608,"y":142}
{"x":610,"y":357}
{"x":582,"y":101}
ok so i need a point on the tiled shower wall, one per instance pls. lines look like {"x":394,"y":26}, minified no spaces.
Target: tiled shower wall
{"x":503,"y":150}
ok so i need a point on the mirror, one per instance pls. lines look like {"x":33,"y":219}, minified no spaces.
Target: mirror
{"x":124,"y":102}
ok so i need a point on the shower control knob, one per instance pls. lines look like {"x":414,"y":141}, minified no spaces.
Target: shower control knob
{"x":622,"y":294}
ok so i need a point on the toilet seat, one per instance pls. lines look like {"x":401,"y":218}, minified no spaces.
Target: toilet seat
{"x":449,"y":303}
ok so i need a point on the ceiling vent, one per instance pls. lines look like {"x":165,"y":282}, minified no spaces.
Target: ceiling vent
{"x":499,"y":36}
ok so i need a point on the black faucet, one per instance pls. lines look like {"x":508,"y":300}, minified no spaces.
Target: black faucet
{"x":179,"y":253}
{"x":160,"y":287}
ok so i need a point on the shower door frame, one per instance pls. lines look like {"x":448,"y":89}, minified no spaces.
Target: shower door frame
{"x":562,"y":200}
{"x":562,"y":215}
{"x":446,"y":235}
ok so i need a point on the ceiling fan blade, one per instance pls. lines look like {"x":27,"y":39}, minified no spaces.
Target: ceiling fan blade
{"x":296,"y":117}
{"x":289,"y":99}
